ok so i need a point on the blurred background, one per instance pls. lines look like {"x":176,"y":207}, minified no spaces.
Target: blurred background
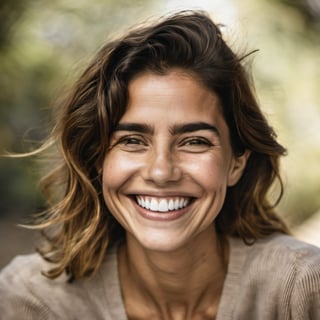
{"x":45,"y":44}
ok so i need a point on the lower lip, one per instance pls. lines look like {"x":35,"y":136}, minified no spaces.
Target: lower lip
{"x":161,"y":216}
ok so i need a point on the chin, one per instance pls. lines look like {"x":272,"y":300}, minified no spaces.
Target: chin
{"x":161,"y":242}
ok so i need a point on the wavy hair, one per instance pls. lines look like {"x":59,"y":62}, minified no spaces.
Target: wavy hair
{"x":188,"y":40}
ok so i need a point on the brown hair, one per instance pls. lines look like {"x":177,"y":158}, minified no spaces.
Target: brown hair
{"x":188,"y":40}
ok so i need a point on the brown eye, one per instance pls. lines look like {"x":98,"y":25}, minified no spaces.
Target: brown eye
{"x":197,"y":142}
{"x":195,"y":145}
{"x":132,"y":141}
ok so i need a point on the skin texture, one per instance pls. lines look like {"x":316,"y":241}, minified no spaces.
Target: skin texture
{"x":171,"y":143}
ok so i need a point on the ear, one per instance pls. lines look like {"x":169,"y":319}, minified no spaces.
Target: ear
{"x":237,"y":167}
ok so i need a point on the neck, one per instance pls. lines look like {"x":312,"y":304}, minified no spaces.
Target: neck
{"x":186,"y":281}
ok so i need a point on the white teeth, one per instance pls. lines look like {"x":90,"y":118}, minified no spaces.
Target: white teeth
{"x":147,"y":204}
{"x":176,"y":204}
{"x":171,"y":205}
{"x":162,"y":204}
{"x":154,"y":205}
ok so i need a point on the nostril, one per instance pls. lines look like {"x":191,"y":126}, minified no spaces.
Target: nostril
{"x":162,"y":169}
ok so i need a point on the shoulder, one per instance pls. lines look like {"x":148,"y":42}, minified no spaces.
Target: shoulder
{"x":282,"y":255}
{"x":24,"y":266}
{"x":284,"y":251}
{"x":22,"y":270}
{"x":283,"y":270}
{"x":301,"y":270}
{"x":19,"y":282}
{"x":27,"y":294}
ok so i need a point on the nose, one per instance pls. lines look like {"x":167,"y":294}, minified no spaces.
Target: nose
{"x":162,"y":167}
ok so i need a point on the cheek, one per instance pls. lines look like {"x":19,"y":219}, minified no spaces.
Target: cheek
{"x":117,"y":169}
{"x":211,"y":171}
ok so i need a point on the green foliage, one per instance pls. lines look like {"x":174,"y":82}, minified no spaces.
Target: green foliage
{"x":10,"y":13}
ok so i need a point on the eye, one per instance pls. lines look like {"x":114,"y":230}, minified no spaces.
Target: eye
{"x":197,"y":141}
{"x":131,"y":140}
{"x":132,"y":143}
{"x":195,"y":144}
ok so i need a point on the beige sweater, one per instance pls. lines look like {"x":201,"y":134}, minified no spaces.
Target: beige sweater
{"x":276,"y":278}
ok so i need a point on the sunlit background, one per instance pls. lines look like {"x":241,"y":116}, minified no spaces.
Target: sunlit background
{"x":44,"y":45}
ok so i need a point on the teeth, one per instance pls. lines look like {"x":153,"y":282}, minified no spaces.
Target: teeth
{"x":171,"y":205}
{"x":176,"y":204}
{"x":162,"y":204}
{"x":154,"y":205}
{"x":147,"y":204}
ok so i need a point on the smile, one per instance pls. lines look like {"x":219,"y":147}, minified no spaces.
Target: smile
{"x":163,"y":204}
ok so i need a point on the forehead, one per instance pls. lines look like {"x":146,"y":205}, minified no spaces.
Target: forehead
{"x":175,"y":94}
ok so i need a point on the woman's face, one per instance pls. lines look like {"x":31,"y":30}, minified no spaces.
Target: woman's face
{"x":170,"y":161}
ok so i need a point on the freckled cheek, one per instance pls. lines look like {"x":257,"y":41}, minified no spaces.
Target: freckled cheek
{"x":210,"y":173}
{"x":116,"y":170}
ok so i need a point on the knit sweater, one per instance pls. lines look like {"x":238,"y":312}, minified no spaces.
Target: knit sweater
{"x":276,"y":278}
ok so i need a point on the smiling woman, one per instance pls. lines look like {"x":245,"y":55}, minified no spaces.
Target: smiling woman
{"x":172,"y":145}
{"x":166,"y":163}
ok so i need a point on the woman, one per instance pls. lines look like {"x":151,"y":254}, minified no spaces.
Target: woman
{"x":166,"y":162}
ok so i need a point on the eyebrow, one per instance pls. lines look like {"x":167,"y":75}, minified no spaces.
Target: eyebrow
{"x":175,"y":130}
{"x":136,"y":127}
{"x":194,"y":126}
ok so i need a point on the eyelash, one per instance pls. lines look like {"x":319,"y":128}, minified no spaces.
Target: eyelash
{"x":196,"y":141}
{"x":131,"y":140}
{"x":189,"y":144}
